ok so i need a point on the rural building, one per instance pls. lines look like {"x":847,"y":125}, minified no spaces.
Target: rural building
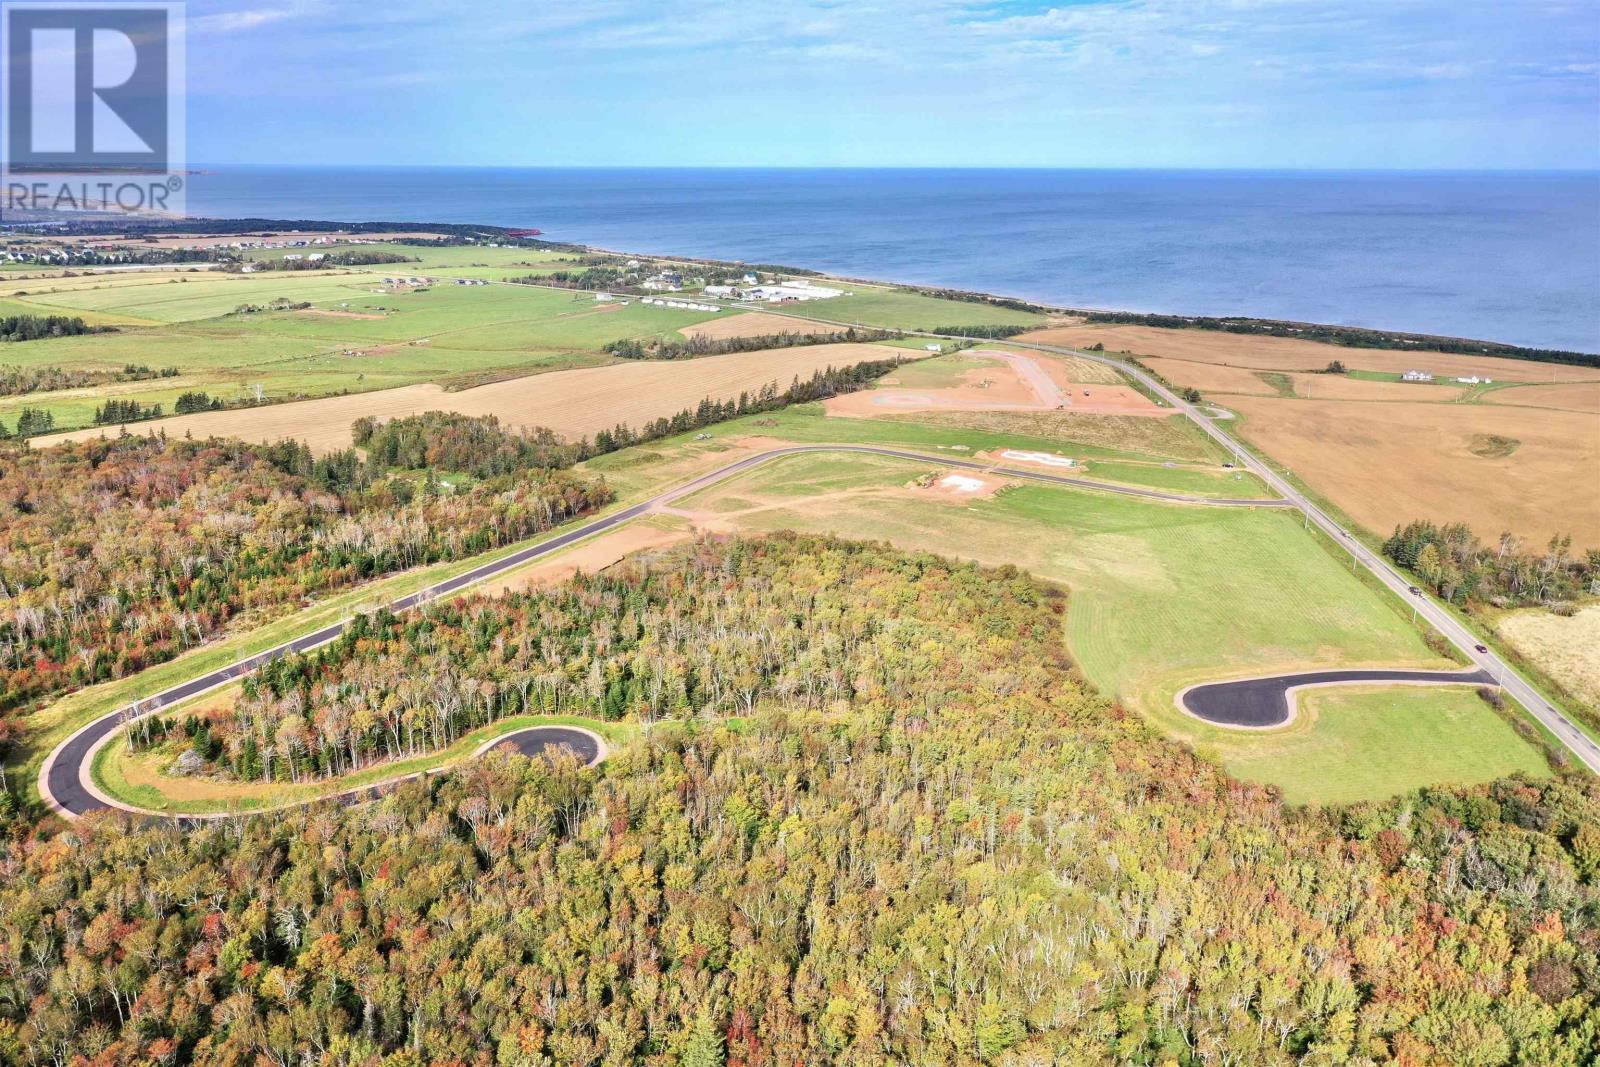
{"x":791,"y":292}
{"x":1475,"y":380}
{"x":1416,"y":376}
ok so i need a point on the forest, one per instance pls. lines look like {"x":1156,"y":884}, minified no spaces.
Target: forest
{"x":20,"y":381}
{"x":447,"y":440}
{"x":116,"y":554}
{"x":37,"y":327}
{"x":1453,"y":564}
{"x":927,"y":842}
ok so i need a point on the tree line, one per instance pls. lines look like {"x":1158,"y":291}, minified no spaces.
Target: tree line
{"x":20,"y":381}
{"x":994,"y":333}
{"x":1457,"y":568}
{"x":968,"y":858}
{"x":695,"y":347}
{"x":39,"y":327}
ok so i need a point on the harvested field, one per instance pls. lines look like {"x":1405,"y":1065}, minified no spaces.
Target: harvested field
{"x":333,"y":313}
{"x":754,"y":324}
{"x":1565,"y":647}
{"x":591,"y":556}
{"x":1579,"y":396}
{"x":1070,"y":370}
{"x":1285,"y":353}
{"x":573,"y":403}
{"x":1340,"y":387}
{"x":1386,"y":464}
{"x":1210,"y":377}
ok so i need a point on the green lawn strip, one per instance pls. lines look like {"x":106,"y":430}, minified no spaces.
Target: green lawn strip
{"x":1369,"y":743}
{"x":110,"y":767}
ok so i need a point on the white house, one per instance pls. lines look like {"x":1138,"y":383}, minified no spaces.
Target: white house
{"x":1416,"y":376}
{"x":1475,"y":380}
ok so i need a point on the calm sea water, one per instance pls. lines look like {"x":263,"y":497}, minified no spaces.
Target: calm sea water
{"x":1508,"y":257}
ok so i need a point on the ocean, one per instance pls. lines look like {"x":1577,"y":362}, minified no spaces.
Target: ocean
{"x":1499,"y":256}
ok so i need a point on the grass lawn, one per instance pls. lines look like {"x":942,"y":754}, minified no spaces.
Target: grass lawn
{"x":138,"y":778}
{"x":1367,"y":743}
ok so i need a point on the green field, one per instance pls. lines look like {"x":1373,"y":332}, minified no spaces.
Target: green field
{"x":903,"y":310}
{"x":358,"y":337}
{"x":1365,"y":743}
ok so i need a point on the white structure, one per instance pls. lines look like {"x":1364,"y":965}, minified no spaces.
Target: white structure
{"x":720,"y":290}
{"x":1475,"y":380}
{"x":791,"y":292}
{"x":1044,"y":459}
{"x":1416,"y":376}
{"x":933,"y":348}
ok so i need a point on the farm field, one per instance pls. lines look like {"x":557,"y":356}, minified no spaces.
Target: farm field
{"x":1361,"y":743}
{"x":1567,"y":648}
{"x":1286,"y":353}
{"x":1500,"y":457}
{"x":1496,"y":468}
{"x":574,"y":403}
{"x":355,"y":338}
{"x":904,"y":310}
{"x":753,"y":324}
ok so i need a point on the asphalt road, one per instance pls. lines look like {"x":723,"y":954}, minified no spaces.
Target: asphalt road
{"x":63,"y":779}
{"x":536,"y":740}
{"x":1262,"y":702}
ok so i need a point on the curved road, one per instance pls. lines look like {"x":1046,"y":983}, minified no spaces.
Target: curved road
{"x":64,"y":779}
{"x":1261,"y":703}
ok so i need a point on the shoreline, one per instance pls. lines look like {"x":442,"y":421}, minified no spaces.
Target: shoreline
{"x":1340,"y":334}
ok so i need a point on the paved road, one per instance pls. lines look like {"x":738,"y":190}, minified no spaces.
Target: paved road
{"x":63,"y":779}
{"x":536,"y":740}
{"x":1262,"y":702}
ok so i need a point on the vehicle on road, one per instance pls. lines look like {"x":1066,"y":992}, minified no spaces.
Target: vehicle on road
{"x":1480,"y":648}
{"x":1414,"y":591}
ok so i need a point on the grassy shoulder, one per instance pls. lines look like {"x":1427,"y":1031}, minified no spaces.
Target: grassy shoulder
{"x":1350,"y":744}
{"x":140,"y":778}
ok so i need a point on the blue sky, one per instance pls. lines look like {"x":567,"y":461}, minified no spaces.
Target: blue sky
{"x":1094,"y":83}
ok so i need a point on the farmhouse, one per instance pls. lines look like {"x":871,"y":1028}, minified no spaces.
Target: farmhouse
{"x":1416,"y":376}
